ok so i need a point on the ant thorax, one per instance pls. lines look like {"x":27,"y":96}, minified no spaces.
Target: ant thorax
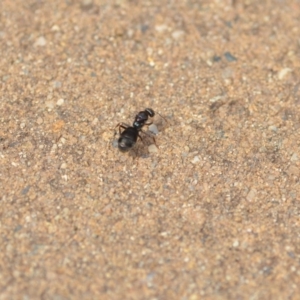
{"x":138,"y":125}
{"x":140,"y":119}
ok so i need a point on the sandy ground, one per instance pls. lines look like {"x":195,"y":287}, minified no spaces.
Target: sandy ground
{"x":213,"y":212}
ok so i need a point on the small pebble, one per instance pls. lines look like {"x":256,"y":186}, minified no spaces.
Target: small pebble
{"x":107,"y":136}
{"x":39,"y":121}
{"x":57,"y":84}
{"x":49,"y":104}
{"x":95,"y":122}
{"x":160,"y":52}
{"x":294,"y":157}
{"x":184,"y":154}
{"x":273,"y":128}
{"x":216,"y":98}
{"x":161,"y":28}
{"x":40,"y":42}
{"x":86,"y":2}
{"x":115,"y":143}
{"x":63,"y":166}
{"x":227,"y":73}
{"x":251,"y":195}
{"x":293,"y":170}
{"x":55,"y":28}
{"x":22,"y":125}
{"x":153,"y":128}
{"x":195,"y":160}
{"x":60,"y":102}
{"x":130,"y":33}
{"x":283,"y":72}
{"x":235,"y":244}
{"x":5,"y":77}
{"x":151,"y":63}
{"x":176,"y":35}
{"x":152,"y":148}
{"x":209,"y":62}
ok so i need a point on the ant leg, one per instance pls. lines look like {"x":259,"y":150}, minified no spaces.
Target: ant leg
{"x":141,"y":139}
{"x":121,"y":125}
{"x":136,"y":157}
{"x":155,"y":142}
{"x":150,"y":136}
{"x":147,"y":133}
{"x":162,"y":117}
{"x":124,"y":125}
{"x":149,"y":123}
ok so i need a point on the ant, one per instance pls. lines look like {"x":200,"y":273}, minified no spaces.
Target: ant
{"x":129,"y":136}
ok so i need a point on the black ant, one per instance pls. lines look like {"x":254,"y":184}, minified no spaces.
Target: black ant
{"x":129,"y":136}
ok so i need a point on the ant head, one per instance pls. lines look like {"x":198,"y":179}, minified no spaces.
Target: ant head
{"x":150,"y":112}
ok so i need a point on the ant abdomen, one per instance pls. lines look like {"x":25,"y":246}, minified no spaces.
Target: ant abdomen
{"x":127,"y":139}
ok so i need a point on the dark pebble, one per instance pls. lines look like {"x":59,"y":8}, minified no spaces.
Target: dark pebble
{"x":229,"y":57}
{"x":144,"y":28}
{"x":216,"y":58}
{"x":25,"y":190}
